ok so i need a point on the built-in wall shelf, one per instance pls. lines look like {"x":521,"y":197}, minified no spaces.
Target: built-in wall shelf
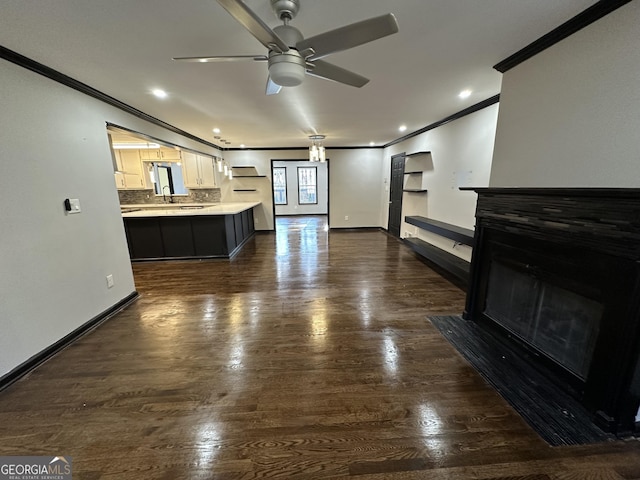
{"x":453,"y":264}
{"x":246,"y":172}
{"x":415,"y":168}
{"x":447,"y":230}
{"x":415,"y":154}
{"x":456,"y":266}
{"x":245,"y":190}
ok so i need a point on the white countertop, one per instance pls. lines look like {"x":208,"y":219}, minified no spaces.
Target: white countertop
{"x":148,"y":206}
{"x":186,"y":209}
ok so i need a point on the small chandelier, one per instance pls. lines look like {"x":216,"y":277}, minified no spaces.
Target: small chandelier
{"x":316,"y":150}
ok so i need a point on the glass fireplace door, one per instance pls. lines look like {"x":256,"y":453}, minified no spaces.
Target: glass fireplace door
{"x":555,"y":321}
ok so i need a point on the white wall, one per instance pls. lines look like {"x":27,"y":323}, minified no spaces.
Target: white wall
{"x":461,"y":153}
{"x":293,"y":206}
{"x":355,"y":183}
{"x":53,"y":266}
{"x":355,"y":187}
{"x":570,"y":116}
{"x":261,"y":159}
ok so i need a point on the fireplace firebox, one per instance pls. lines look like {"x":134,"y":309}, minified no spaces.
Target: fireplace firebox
{"x":556,"y":272}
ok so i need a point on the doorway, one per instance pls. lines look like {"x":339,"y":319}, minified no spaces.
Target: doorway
{"x":300,"y":187}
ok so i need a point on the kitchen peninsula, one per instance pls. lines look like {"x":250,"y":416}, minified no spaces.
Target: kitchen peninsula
{"x":184,"y":231}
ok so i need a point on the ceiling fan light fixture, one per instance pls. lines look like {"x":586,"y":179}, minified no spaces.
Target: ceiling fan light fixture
{"x":287,"y":69}
{"x":287,"y":74}
{"x":291,"y":56}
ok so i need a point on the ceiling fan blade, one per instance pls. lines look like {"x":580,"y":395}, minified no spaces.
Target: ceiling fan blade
{"x":330,"y":71}
{"x":249,"y":20}
{"x":272,"y":87}
{"x":350,"y":36}
{"x":224,"y":58}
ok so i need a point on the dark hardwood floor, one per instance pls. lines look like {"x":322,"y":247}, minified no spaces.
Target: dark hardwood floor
{"x":307,"y":356}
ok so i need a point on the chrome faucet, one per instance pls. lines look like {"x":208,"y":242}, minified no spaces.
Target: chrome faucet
{"x":164,"y":197}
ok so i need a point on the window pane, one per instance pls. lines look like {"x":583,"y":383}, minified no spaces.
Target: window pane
{"x":307,"y":188}
{"x":280,"y":185}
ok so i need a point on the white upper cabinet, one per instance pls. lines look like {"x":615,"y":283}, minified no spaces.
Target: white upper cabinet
{"x":207,"y":171}
{"x":161,"y":154}
{"x":198,"y":170}
{"x":130,"y":175}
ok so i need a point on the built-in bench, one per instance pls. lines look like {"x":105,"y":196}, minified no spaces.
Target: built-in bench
{"x":451,"y":263}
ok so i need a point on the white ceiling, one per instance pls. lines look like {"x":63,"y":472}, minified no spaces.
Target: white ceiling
{"x":124,"y":48}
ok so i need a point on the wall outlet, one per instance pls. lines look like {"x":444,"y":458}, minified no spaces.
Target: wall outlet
{"x":109,"y":281}
{"x":206,"y":194}
{"x":346,"y":217}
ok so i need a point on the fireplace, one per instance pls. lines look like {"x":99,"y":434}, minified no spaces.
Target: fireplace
{"x":558,"y":322}
{"x":556,"y":273}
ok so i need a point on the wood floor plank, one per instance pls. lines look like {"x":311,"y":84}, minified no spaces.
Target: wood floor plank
{"x":307,"y":356}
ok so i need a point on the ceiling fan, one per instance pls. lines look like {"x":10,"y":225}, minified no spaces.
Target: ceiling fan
{"x":290,"y":55}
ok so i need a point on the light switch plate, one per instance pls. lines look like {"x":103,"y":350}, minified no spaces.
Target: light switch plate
{"x":75,"y":205}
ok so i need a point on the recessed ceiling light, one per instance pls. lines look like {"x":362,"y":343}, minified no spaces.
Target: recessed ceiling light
{"x":159,"y":93}
{"x":402,"y":128}
{"x":371,"y":144}
{"x":242,"y":145}
{"x":216,"y":130}
{"x":464,"y":94}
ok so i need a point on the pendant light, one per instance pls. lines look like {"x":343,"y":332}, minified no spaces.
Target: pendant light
{"x":316,"y":150}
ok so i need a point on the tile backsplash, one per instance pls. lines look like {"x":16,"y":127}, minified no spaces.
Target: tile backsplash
{"x":201,"y":195}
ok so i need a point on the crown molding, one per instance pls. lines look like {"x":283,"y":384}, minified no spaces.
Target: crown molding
{"x":587,"y":17}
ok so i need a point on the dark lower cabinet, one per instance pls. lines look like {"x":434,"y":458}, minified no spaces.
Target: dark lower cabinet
{"x":144,"y":237}
{"x":245,"y":224}
{"x":177,"y":237}
{"x":237,"y":225}
{"x":198,"y":236}
{"x":230,"y":232}
{"x":209,"y":236}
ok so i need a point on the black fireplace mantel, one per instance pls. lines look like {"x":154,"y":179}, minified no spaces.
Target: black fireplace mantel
{"x":605,"y":219}
{"x":559,"y":191}
{"x":582,"y":240}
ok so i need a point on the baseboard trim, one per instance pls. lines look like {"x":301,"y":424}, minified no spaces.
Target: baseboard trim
{"x":41,"y":357}
{"x":354,"y":229}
